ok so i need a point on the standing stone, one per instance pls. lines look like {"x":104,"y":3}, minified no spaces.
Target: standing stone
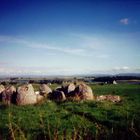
{"x":8,"y":95}
{"x":70,"y":87}
{"x":39,"y":98}
{"x":58,"y":96}
{"x":26,"y":95}
{"x":84,"y":92}
{"x":67,"y":89}
{"x":2,"y":88}
{"x":45,"y":90}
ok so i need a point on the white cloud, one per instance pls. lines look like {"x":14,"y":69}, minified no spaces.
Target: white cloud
{"x":92,"y":41}
{"x":13,"y":70}
{"x":68,"y":50}
{"x":124,"y":21}
{"x":74,"y":51}
{"x":124,"y":68}
{"x":16,"y":70}
{"x":11,"y":39}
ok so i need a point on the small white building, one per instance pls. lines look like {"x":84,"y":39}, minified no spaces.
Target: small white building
{"x":114,"y":82}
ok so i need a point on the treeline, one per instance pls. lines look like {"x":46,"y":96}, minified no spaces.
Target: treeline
{"x":31,"y":81}
{"x":112,"y":78}
{"x":103,"y":79}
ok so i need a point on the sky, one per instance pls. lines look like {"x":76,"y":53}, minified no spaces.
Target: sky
{"x":67,"y":37}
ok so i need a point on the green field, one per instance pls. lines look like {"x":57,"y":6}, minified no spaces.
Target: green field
{"x":76,"y":120}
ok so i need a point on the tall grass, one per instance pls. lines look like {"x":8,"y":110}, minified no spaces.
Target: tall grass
{"x":76,"y":120}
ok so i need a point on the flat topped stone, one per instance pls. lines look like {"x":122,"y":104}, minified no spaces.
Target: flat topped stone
{"x":112,"y":98}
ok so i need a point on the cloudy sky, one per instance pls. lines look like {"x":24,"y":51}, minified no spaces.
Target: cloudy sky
{"x":65,"y":37}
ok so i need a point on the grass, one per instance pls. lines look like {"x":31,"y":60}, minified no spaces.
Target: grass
{"x":76,"y":120}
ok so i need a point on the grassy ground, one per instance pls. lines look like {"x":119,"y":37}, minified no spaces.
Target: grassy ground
{"x":76,"y":120}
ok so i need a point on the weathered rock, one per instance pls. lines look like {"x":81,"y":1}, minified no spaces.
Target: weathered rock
{"x":9,"y":95}
{"x":84,"y":92}
{"x":58,"y":96}
{"x":112,"y":98}
{"x":26,"y":95}
{"x":45,"y":90}
{"x":79,"y":92}
{"x":39,"y":97}
{"x":67,"y":88}
{"x":101,"y":98}
{"x":59,"y":88}
{"x":37,"y":92}
{"x":70,"y":87}
{"x":2,"y":88}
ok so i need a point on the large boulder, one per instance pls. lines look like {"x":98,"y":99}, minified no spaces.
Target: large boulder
{"x":58,"y":96}
{"x":9,"y":95}
{"x":45,"y":90}
{"x":26,"y":95}
{"x":2,"y":88}
{"x":59,"y":88}
{"x":84,"y":92}
{"x":79,"y":92}
{"x":39,"y":98}
{"x":67,"y":88}
{"x":70,"y":87}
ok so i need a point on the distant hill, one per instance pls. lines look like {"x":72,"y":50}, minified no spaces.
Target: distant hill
{"x":129,"y":74}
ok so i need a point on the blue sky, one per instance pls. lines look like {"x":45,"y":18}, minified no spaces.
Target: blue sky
{"x":65,"y":37}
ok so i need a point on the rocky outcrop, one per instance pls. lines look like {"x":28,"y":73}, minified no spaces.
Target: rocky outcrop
{"x":26,"y":95}
{"x":9,"y":95}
